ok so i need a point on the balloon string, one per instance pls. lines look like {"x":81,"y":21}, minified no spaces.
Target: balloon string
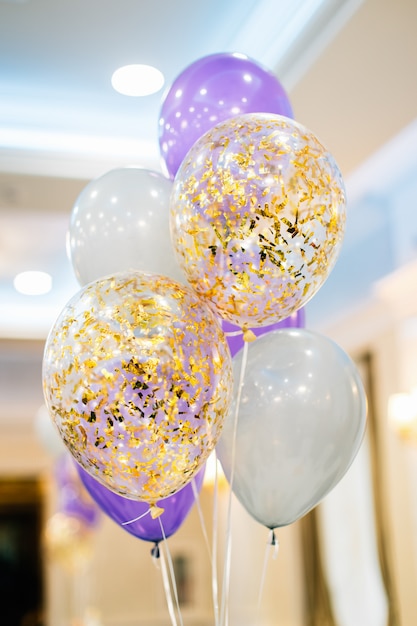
{"x":227,"y":562}
{"x":226,"y":580}
{"x":167,"y":589}
{"x":214,"y":574}
{"x":212,"y":554}
{"x":167,"y":586}
{"x":233,"y":333}
{"x":201,"y":517}
{"x":137,"y":518}
{"x":271,"y":545}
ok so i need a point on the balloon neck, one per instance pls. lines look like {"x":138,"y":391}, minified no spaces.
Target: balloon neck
{"x":248,"y":335}
{"x":155,"y":551}
{"x":274,"y":543}
{"x":155,"y":510}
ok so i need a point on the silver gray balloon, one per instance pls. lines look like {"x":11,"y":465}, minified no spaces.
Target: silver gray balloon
{"x":120,"y":222}
{"x":302,"y":417}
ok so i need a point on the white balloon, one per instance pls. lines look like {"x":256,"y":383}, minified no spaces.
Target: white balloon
{"x":302,"y":417}
{"x":120,"y":222}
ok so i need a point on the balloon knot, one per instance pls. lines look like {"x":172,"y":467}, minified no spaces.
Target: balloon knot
{"x":273,"y":541}
{"x":155,"y":551}
{"x":248,"y":335}
{"x":155,"y":510}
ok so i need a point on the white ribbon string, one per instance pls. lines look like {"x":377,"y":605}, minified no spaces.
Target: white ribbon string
{"x":214,"y":575}
{"x":226,"y":570}
{"x":272,"y":546}
{"x":201,"y":517}
{"x":169,"y":588}
{"x":212,"y":554}
{"x":136,"y":519}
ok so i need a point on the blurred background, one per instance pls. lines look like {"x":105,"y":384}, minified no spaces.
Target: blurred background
{"x":349,"y":69}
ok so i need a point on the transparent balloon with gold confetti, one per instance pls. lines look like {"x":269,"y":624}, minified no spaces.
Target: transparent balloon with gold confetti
{"x":137,"y":377}
{"x":257,"y":217}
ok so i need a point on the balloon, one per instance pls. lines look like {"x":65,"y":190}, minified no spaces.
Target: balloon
{"x":73,"y":499}
{"x":120,"y":222}
{"x":210,"y":90}
{"x":235,"y":338}
{"x":121,"y":510}
{"x":302,"y":417}
{"x":68,"y":541}
{"x":257,"y":218}
{"x":137,"y":377}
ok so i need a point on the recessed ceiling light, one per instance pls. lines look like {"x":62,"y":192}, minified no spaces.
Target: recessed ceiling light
{"x":33,"y":283}
{"x":137,"y":80}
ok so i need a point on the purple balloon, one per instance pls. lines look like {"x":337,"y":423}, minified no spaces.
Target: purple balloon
{"x":296,"y":320}
{"x":214,"y":88}
{"x":121,"y":510}
{"x":72,"y":499}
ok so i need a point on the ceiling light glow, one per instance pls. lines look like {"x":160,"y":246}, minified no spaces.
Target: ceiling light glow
{"x":33,"y":283}
{"x":137,"y":80}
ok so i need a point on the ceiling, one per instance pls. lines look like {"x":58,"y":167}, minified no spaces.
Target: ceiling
{"x":348,"y":66}
{"x":57,"y":58}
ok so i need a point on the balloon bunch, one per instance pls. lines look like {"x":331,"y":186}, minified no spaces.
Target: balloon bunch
{"x":178,"y":273}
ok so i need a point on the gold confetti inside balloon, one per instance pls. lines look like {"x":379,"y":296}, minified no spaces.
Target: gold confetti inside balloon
{"x":137,"y":377}
{"x":257,"y":217}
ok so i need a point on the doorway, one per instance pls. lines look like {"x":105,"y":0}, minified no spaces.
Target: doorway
{"x":21,"y":580}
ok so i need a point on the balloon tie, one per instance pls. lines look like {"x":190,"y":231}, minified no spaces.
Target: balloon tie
{"x":136,"y":519}
{"x":275,"y":543}
{"x":155,"y":552}
{"x":248,"y":335}
{"x":155,"y":510}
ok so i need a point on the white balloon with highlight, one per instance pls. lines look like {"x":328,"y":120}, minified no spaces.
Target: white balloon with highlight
{"x":120,"y":222}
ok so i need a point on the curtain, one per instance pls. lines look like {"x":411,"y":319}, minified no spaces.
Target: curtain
{"x":318,"y":608}
{"x":340,"y":539}
{"x":365,"y":364}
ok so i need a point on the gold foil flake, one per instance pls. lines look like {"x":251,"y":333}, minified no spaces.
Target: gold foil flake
{"x":107,"y":375}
